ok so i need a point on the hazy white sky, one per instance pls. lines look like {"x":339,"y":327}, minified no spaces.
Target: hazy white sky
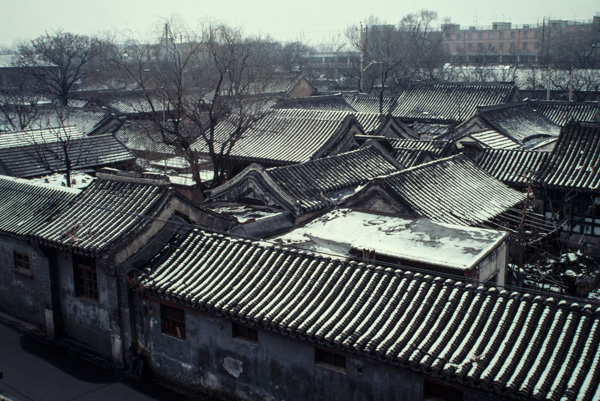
{"x":283,"y":20}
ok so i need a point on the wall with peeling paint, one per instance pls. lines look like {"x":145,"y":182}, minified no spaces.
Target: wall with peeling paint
{"x":24,"y":294}
{"x":279,"y":367}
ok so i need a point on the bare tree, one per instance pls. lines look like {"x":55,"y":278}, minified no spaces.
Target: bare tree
{"x":193,"y":82}
{"x":56,"y":146}
{"x":58,"y":61}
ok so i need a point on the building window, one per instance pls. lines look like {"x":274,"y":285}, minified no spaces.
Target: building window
{"x":501,"y":46}
{"x":470,"y":35}
{"x":491,"y":47}
{"x":513,"y":46}
{"x":436,"y":392}
{"x":330,"y":360}
{"x":501,"y":33}
{"x":479,"y":35}
{"x":490,"y":35}
{"x":245,"y":333}
{"x":86,"y":279}
{"x":525,"y":34}
{"x":512,"y":34}
{"x":470,"y":46}
{"x":524,"y":45}
{"x":22,"y":261}
{"x":457,"y":35}
{"x":172,"y":321}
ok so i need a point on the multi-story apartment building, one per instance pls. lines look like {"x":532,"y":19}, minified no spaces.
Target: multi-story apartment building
{"x":504,"y":42}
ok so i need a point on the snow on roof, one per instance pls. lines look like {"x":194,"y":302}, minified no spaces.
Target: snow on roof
{"x":412,"y":239}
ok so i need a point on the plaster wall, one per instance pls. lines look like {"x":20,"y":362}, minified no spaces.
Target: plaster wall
{"x":279,"y":367}
{"x":494,"y":264}
{"x":24,"y":294}
{"x":84,"y":319}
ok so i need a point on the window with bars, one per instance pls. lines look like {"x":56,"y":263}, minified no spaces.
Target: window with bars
{"x":22,"y":261}
{"x":245,"y":333}
{"x":438,"y":392}
{"x":86,"y":278}
{"x":172,"y":321}
{"x":330,"y":360}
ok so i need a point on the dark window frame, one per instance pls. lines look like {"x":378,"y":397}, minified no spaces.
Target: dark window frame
{"x":440,"y":392}
{"x":330,"y":360}
{"x":22,"y":261}
{"x":86,"y":277}
{"x":244,"y":333}
{"x":172,"y":321}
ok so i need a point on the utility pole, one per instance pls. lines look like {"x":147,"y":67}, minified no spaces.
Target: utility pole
{"x":548,"y":84}
{"x":362,"y":56}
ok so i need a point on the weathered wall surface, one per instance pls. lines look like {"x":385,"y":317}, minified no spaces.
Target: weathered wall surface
{"x":83,"y":319}
{"x":277,"y":368}
{"x":494,"y":264}
{"x":24,"y":294}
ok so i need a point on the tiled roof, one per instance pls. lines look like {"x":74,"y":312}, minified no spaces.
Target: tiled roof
{"x":315,"y":184}
{"x":495,"y":140}
{"x":513,"y":167}
{"x":575,"y":161}
{"x":142,"y":137}
{"x":369,"y":104}
{"x":431,"y":129}
{"x":518,"y":121}
{"x":39,"y":136}
{"x":332,"y":103}
{"x":370,"y":122}
{"x":24,"y":206}
{"x":563,"y":112}
{"x":510,"y":344}
{"x":453,"y":190}
{"x":449,"y":102}
{"x":86,"y":120}
{"x":46,"y":158}
{"x":288,"y":136}
{"x":276,"y":84}
{"x":105,"y":212}
{"x":437,"y":148}
{"x":410,"y":157}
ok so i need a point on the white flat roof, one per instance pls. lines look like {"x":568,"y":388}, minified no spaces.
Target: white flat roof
{"x":414,"y":239}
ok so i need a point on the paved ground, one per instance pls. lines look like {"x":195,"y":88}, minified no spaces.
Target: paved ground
{"x":36,"y":371}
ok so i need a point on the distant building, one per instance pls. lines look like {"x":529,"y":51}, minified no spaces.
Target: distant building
{"x":504,"y":42}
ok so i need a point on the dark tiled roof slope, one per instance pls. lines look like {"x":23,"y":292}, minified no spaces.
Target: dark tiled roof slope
{"x":332,"y":103}
{"x":313,"y":185}
{"x":449,"y":102}
{"x":42,"y":159}
{"x":575,"y":160}
{"x":437,"y":148}
{"x":369,"y":104}
{"x":143,"y":138}
{"x":452,"y":190}
{"x":518,"y":121}
{"x":494,"y":139}
{"x":513,"y":167}
{"x":285,"y":136}
{"x":409,"y":157}
{"x":24,"y":206}
{"x":104,"y":213}
{"x":510,"y":344}
{"x":312,"y":181}
{"x":562,"y":113}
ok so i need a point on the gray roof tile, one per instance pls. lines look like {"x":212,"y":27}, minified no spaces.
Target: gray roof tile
{"x":104,"y":213}
{"x":575,"y":160}
{"x":24,"y":206}
{"x":507,"y":343}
